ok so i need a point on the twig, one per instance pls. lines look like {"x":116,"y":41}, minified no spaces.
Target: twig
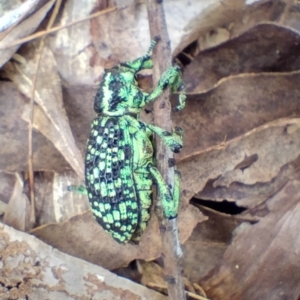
{"x":285,"y":12}
{"x":30,"y":124}
{"x":172,"y":254}
{"x":164,"y":287}
{"x":195,"y":296}
{"x":57,"y":28}
{"x":199,"y":289}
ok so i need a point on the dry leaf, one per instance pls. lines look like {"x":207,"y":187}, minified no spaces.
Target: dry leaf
{"x":241,"y":140}
{"x":264,"y":48}
{"x":235,"y":106}
{"x":49,"y":117}
{"x":262,"y":261}
{"x":17,"y":211}
{"x":35,"y":270}
{"x":14,"y":135}
{"x":269,"y":142}
{"x":53,"y":201}
{"x":87,"y":240}
{"x":19,"y":20}
{"x":204,"y":250}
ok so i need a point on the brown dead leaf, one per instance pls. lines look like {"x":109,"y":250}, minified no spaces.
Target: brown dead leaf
{"x":79,"y":101}
{"x":31,"y":269}
{"x":237,"y":105}
{"x":17,"y":211}
{"x":241,"y":136}
{"x":271,"y":143}
{"x":14,"y":135}
{"x":262,"y":262}
{"x":7,"y":182}
{"x":285,"y":13}
{"x":85,"y":49}
{"x":19,"y":19}
{"x":152,"y":275}
{"x":87,"y":240}
{"x":231,"y":24}
{"x":205,"y":248}
{"x":264,"y":48}
{"x":53,"y":201}
{"x":49,"y":117}
{"x":247,"y":194}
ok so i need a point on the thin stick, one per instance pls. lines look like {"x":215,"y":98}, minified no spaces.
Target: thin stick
{"x":57,"y":28}
{"x":30,"y":124}
{"x":172,"y":254}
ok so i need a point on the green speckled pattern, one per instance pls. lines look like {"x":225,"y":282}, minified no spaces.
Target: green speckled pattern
{"x":118,"y":183}
{"x":119,"y":168}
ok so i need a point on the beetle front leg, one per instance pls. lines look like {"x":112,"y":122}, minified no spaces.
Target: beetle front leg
{"x":172,"y":78}
{"x":143,"y":62}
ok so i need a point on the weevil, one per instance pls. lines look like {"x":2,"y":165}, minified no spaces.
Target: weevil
{"x":119,"y":163}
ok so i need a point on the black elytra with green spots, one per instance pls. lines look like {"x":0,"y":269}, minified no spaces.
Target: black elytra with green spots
{"x":119,"y":168}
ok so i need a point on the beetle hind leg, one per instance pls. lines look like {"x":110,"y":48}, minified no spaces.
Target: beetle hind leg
{"x":80,"y":189}
{"x":170,"y":201}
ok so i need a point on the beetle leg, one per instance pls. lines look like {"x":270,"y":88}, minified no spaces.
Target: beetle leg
{"x":80,"y":189}
{"x":173,"y":140}
{"x":143,"y":62}
{"x":172,"y":78}
{"x":169,"y":204}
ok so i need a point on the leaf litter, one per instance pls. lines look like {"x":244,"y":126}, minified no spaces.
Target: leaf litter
{"x":241,"y":145}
